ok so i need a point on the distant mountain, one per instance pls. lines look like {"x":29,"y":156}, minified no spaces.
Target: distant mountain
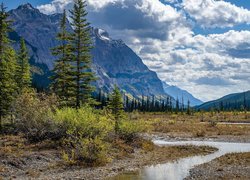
{"x":235,"y":101}
{"x":178,"y":93}
{"x":113,"y":61}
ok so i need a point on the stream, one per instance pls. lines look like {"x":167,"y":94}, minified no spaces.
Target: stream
{"x":179,"y":169}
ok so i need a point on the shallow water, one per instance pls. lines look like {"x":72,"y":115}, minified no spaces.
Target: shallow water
{"x":178,"y":170}
{"x":235,"y":123}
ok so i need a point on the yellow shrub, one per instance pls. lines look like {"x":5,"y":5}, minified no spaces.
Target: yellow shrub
{"x":86,"y":130}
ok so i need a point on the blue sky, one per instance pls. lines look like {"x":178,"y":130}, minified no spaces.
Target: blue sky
{"x":15,"y":3}
{"x":202,"y":46}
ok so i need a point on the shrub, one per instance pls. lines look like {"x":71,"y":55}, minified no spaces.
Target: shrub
{"x":213,"y":123}
{"x":33,"y":116}
{"x":200,"y":133}
{"x":86,"y":130}
{"x":171,"y":122}
{"x":129,"y":130}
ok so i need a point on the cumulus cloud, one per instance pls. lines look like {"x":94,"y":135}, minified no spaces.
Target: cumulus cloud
{"x":212,"y":13}
{"x":162,"y":36}
{"x":55,"y":6}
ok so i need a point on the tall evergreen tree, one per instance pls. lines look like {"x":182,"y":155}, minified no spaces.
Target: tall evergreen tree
{"x":177,"y":106}
{"x":116,"y":106}
{"x":81,"y":60}
{"x":188,"y":108}
{"x":244,"y":101}
{"x":62,"y":84}
{"x":7,"y":65}
{"x":23,"y":74}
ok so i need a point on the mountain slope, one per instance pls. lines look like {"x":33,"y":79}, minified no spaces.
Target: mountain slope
{"x":235,"y":101}
{"x":178,"y":93}
{"x":113,"y":61}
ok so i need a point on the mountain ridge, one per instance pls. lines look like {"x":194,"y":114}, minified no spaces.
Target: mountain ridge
{"x":235,"y":101}
{"x":178,"y":93}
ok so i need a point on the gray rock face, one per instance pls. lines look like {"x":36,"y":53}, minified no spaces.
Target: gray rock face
{"x":123,"y":66}
{"x":113,"y":61}
{"x":37,"y":29}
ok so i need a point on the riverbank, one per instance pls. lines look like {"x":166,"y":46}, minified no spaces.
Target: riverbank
{"x":230,"y":166}
{"x":42,"y":161}
{"x":200,"y":126}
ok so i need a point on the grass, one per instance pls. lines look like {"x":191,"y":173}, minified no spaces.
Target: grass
{"x":229,"y":166}
{"x":235,"y":159}
{"x":191,"y":126}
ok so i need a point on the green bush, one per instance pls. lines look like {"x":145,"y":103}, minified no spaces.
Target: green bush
{"x":129,"y":130}
{"x":33,"y":116}
{"x":213,"y":123}
{"x":86,"y":130}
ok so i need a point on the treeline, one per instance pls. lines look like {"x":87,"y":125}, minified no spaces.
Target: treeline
{"x":231,"y":106}
{"x":239,"y":104}
{"x":146,"y":103}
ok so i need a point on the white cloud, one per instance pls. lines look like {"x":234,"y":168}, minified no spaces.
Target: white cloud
{"x":55,"y":6}
{"x":58,"y":5}
{"x":212,"y":13}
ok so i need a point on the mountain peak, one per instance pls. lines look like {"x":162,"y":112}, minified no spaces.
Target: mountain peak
{"x":180,"y":94}
{"x":26,"y":6}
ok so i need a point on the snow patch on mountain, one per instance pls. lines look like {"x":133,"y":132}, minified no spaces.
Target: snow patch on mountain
{"x":103,"y":35}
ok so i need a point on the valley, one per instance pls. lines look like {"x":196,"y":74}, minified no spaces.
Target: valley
{"x":80,"y":102}
{"x":181,"y":132}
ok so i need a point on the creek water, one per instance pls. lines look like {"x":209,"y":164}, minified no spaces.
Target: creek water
{"x":179,"y":169}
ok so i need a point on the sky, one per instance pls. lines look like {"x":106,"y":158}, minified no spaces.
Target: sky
{"x":202,"y":46}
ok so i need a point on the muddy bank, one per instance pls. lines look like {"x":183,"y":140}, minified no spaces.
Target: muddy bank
{"x":186,"y":137}
{"x":27,"y":162}
{"x":230,"y":166}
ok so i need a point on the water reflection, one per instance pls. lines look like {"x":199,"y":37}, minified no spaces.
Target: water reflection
{"x":178,"y":170}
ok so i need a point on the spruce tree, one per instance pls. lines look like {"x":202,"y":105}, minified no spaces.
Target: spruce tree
{"x":177,"y":106}
{"x":62,"y":81}
{"x":7,"y":66}
{"x":23,"y":74}
{"x":116,"y":106}
{"x":81,"y":60}
{"x":188,"y":108}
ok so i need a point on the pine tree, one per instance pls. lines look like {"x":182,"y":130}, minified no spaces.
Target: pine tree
{"x":177,"y":106}
{"x":7,"y":66}
{"x":182,"y":104}
{"x":62,"y":84}
{"x":244,"y":101}
{"x":152,"y":108}
{"x":188,"y":108}
{"x":142,"y":104}
{"x":23,"y":74}
{"x":115,"y":104}
{"x":148,"y":104}
{"x":81,"y":60}
{"x":127,"y":104}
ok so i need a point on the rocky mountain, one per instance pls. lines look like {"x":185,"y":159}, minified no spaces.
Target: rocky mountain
{"x":235,"y":101}
{"x":178,"y":93}
{"x":113,"y":61}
